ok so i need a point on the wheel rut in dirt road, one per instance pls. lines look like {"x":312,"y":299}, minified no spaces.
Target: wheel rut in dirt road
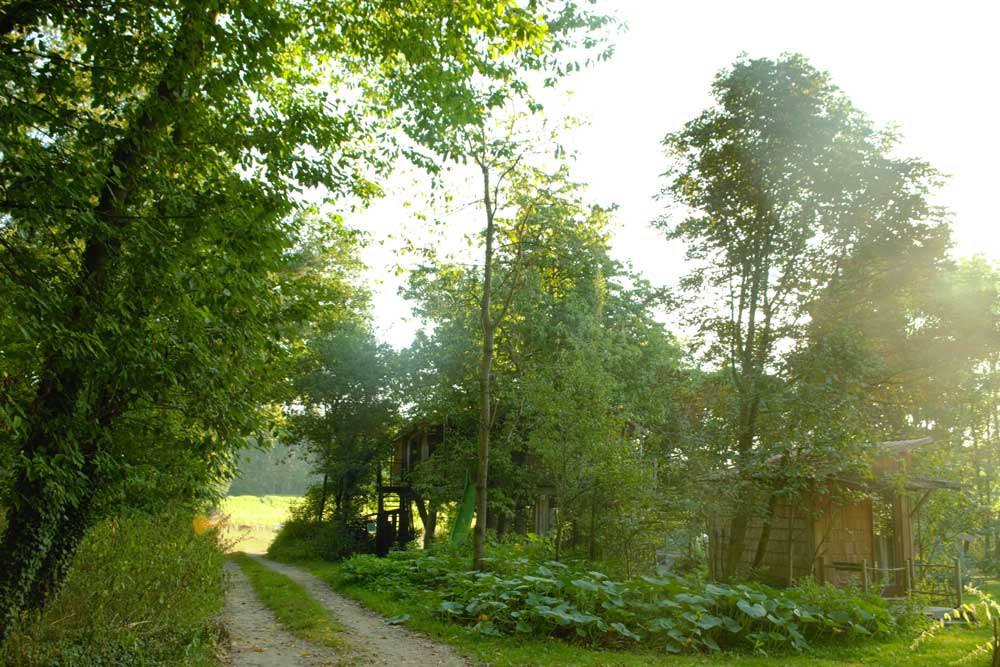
{"x":256,"y":638}
{"x":373,"y":642}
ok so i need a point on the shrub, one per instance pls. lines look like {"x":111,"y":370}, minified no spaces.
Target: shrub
{"x":306,"y":509}
{"x":300,"y":540}
{"x":142,"y":590}
{"x":833,"y":600}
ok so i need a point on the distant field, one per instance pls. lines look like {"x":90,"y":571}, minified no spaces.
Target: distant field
{"x":253,"y":521}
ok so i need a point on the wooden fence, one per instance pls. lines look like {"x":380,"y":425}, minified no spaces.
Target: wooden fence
{"x":934,"y":582}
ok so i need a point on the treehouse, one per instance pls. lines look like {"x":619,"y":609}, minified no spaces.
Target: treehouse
{"x":396,"y":497}
{"x":842,"y":529}
{"x":394,"y":519}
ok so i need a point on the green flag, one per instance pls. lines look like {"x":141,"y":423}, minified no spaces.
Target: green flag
{"x":463,"y":521}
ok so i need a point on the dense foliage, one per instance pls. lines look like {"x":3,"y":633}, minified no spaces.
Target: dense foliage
{"x":793,"y":194}
{"x":344,"y":415}
{"x":824,"y":310}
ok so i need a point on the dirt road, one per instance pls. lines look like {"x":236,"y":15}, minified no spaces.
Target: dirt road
{"x":258,"y":641}
{"x":256,"y":638}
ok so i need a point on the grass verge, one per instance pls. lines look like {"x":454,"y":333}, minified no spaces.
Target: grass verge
{"x":143,"y":590}
{"x":291,"y":604}
{"x":945,"y":647}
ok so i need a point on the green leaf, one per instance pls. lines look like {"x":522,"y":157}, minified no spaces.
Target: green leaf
{"x":625,"y":632}
{"x":752,"y":610}
{"x":707,"y":622}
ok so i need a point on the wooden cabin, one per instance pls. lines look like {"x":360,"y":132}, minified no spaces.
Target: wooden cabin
{"x":841,"y":529}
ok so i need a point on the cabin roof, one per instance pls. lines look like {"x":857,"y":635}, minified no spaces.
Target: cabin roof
{"x":415,"y":427}
{"x":930,"y":483}
{"x":895,"y":446}
{"x":888,"y":447}
{"x":911,"y":483}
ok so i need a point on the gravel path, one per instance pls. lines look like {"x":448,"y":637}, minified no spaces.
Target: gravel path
{"x":256,"y":639}
{"x":373,"y":642}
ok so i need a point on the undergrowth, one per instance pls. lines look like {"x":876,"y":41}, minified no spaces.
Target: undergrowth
{"x":521,"y":596}
{"x":302,"y":538}
{"x":142,"y":591}
{"x":305,"y":540}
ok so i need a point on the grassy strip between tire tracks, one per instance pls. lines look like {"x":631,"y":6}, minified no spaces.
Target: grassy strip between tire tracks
{"x":293,"y":606}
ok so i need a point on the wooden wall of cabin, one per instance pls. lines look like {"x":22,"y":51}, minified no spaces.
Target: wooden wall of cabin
{"x":543,"y":513}
{"x":843,"y":537}
{"x":397,"y":465}
{"x":902,"y":528}
{"x":412,"y":448}
{"x":788,"y":553}
{"x":831,"y":536}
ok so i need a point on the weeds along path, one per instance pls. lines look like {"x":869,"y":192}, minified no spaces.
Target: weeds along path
{"x":256,"y":639}
{"x":374,"y":643}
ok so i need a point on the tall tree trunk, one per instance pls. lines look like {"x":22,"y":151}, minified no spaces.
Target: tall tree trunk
{"x":53,"y":570}
{"x":753,"y":348}
{"x":993,"y":421}
{"x":740,"y":524}
{"x":737,"y":543}
{"x":791,"y":548}
{"x":592,"y":538}
{"x":322,"y":500}
{"x":428,"y":511}
{"x":765,"y":532}
{"x":431,"y":526}
{"x":31,"y":530}
{"x":559,"y":532}
{"x":485,"y":368}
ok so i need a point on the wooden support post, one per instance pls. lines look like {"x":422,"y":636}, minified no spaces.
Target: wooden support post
{"x":958,"y":580}
{"x":791,"y":557}
{"x":820,"y":570}
{"x":913,"y":574}
{"x":907,"y":584}
{"x":864,"y":575}
{"x":923,"y":499}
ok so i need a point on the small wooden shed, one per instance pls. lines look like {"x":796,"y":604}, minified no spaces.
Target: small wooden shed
{"x":839,"y":525}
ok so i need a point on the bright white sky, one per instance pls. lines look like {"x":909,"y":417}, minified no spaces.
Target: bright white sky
{"x":928,"y":68}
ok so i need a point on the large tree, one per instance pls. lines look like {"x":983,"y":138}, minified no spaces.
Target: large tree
{"x":785,"y":180}
{"x":151,"y":156}
{"x":581,"y":378}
